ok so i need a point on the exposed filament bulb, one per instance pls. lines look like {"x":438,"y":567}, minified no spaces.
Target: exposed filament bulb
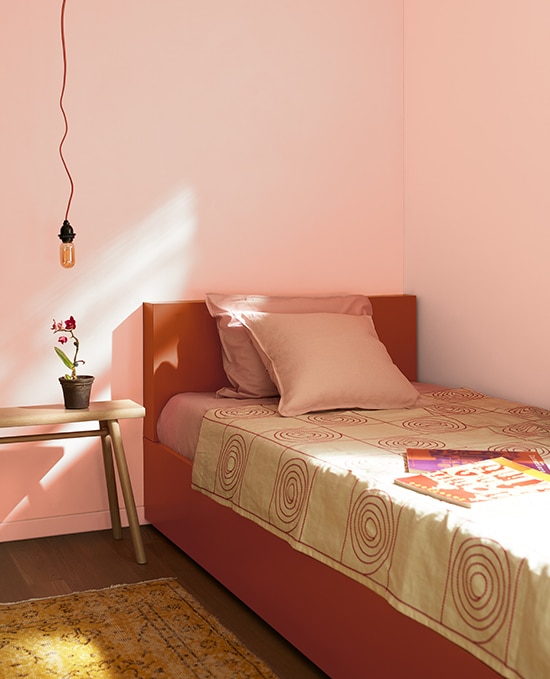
{"x":66,"y":247}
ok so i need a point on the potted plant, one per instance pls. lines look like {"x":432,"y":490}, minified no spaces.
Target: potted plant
{"x":76,"y":388}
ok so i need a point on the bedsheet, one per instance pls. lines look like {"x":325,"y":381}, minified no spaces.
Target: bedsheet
{"x":179,"y":424}
{"x":180,"y":420}
{"x":324,"y":483}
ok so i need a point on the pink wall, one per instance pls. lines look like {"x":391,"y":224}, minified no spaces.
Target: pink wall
{"x":214,"y":145}
{"x":476,"y":192}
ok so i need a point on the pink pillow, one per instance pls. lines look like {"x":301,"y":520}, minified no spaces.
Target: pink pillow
{"x":241,"y":362}
{"x":328,"y":361}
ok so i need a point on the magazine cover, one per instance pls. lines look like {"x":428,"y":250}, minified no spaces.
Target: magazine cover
{"x":479,"y":481}
{"x":428,"y":460}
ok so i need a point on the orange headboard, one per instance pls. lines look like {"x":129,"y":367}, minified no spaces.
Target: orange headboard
{"x":182,"y":352}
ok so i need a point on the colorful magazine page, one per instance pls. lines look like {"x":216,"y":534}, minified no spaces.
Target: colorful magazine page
{"x":479,"y":481}
{"x":428,"y":460}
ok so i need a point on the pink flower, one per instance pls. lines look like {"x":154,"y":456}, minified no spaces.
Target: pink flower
{"x":67,"y":333}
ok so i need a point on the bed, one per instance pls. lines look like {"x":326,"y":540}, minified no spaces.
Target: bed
{"x":348,"y":624}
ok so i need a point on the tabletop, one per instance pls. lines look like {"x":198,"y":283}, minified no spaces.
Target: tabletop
{"x":21,"y":416}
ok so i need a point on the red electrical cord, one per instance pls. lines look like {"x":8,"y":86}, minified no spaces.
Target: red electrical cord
{"x":64,"y":48}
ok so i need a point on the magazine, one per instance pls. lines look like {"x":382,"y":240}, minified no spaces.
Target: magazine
{"x":479,"y":481}
{"x":428,"y":460}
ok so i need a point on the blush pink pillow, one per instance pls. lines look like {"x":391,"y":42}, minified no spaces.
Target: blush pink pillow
{"x":327,"y":361}
{"x":242,"y":364}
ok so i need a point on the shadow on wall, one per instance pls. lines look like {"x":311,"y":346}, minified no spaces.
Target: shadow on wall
{"x":149,"y":260}
{"x":26,"y":484}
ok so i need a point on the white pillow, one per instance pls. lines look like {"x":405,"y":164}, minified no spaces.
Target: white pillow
{"x":324,"y":361}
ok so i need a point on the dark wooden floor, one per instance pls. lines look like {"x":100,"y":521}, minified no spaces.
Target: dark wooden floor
{"x":68,"y":563}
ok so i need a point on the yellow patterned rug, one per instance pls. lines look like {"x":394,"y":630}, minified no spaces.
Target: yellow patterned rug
{"x":150,"y":629}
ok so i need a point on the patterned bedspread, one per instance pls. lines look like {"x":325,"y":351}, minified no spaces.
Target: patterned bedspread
{"x":324,"y":483}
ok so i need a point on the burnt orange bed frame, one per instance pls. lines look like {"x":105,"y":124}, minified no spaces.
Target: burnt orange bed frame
{"x":343,"y":627}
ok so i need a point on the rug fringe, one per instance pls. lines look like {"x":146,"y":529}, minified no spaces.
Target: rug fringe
{"x":88,"y":591}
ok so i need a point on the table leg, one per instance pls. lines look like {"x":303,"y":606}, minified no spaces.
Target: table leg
{"x":126,"y":486}
{"x":110,"y":481}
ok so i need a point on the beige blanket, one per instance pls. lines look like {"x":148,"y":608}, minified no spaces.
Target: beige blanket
{"x":324,"y":483}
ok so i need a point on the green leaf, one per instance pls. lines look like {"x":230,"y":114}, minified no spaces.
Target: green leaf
{"x":63,"y":356}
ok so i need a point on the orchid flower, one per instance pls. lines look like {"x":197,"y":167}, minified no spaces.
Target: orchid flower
{"x":67,"y":329}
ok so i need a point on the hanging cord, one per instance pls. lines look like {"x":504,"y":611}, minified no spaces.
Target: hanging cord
{"x":64,"y":48}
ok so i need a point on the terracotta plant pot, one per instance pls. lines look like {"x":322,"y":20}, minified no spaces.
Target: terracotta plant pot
{"x":76,"y":393}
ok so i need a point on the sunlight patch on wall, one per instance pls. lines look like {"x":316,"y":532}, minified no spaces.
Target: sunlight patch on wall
{"x":21,"y":506}
{"x":42,"y":488}
{"x":147,"y":261}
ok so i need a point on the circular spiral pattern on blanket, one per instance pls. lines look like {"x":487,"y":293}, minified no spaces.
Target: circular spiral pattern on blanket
{"x":480,"y":581}
{"x":456,"y":395}
{"x":242,"y":411}
{"x":231,"y":464}
{"x":371,"y":526}
{"x":452,"y":409}
{"x":398,"y":444}
{"x":526,"y":429}
{"x":519,"y":446}
{"x":343,"y":418}
{"x":529,"y":411}
{"x":290,"y":493}
{"x":434,"y":425}
{"x":305,"y":435}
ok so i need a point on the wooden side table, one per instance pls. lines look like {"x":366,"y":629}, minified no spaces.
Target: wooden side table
{"x":107,"y":414}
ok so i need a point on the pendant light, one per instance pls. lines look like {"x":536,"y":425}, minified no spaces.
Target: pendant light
{"x":66,"y":233}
